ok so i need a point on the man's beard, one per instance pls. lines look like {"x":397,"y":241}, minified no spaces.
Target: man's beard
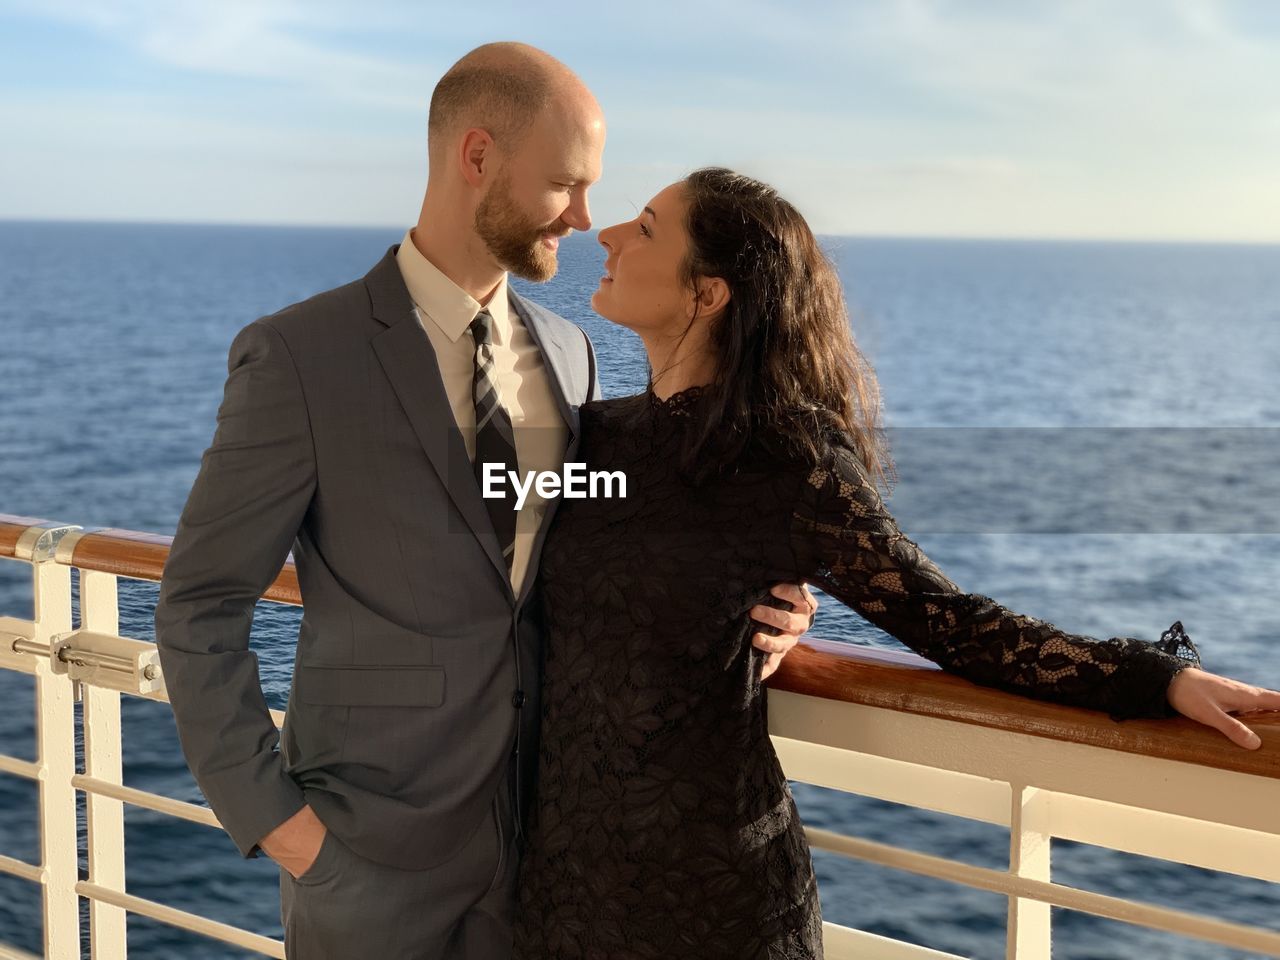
{"x":515,"y":240}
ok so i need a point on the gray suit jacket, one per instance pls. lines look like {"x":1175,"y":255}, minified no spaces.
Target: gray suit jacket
{"x":417,"y":669}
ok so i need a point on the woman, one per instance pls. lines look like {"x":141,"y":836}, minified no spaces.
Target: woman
{"x":664,"y":826}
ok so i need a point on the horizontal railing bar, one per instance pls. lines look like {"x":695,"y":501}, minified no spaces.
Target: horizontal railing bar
{"x":10,"y":952}
{"x":1223,"y":932}
{"x":846,"y":943}
{"x":141,"y":556}
{"x":182,"y":919}
{"x":21,"y":768}
{"x":23,"y":664}
{"x":1117,"y":826}
{"x":1154,"y":833}
{"x":146,"y":800}
{"x":895,"y":680}
{"x":846,"y":677}
{"x":904,"y":683}
{"x":20,"y":868}
{"x":11,"y":530}
{"x":895,"y":781}
{"x":1133,"y":779}
{"x":131,"y":554}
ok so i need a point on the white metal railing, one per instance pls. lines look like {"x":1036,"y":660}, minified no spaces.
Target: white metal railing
{"x":1039,"y":789}
{"x":996,"y":768}
{"x":97,"y":665}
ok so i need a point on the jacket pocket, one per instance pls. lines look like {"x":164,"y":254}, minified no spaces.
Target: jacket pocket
{"x":370,"y":686}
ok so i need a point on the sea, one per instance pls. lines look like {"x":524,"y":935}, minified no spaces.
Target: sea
{"x":1086,"y":432}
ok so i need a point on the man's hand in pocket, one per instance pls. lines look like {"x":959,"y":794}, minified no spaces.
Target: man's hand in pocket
{"x":295,"y":844}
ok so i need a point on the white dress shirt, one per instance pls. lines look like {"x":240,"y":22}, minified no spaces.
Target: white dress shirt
{"x":445,"y":311}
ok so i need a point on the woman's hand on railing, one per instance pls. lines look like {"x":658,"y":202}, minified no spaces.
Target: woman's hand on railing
{"x":1209,"y":699}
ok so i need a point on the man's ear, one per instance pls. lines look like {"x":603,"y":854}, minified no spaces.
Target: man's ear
{"x":477,"y":156}
{"x":713,"y":296}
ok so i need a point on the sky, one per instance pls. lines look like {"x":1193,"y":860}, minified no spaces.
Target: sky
{"x":1090,"y":119}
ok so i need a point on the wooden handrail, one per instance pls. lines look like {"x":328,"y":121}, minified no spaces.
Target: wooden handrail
{"x":128,"y":553}
{"x":853,"y":673}
{"x":11,"y":530}
{"x":910,"y":684}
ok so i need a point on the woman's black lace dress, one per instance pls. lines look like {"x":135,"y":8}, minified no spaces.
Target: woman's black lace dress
{"x":664,"y":827}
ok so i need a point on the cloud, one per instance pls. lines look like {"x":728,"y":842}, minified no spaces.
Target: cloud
{"x":922,"y":116}
{"x":991,"y":168}
{"x":150,"y":164}
{"x":276,"y":42}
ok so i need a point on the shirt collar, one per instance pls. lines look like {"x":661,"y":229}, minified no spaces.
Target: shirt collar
{"x":441,"y":301}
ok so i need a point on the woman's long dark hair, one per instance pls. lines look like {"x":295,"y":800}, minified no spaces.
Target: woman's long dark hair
{"x":785,"y":357}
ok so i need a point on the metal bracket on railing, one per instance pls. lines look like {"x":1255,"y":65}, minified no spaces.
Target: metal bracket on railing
{"x":100,"y":660}
{"x":39,"y":544}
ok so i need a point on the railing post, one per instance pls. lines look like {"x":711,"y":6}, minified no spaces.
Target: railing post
{"x":99,"y":612}
{"x":56,"y":748}
{"x":1029,"y":928}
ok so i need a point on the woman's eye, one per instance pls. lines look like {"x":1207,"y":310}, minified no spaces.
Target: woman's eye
{"x":645,"y":231}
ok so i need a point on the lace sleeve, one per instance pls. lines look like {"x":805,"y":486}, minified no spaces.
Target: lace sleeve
{"x":847,"y":543}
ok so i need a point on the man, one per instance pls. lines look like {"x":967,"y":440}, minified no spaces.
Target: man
{"x":353,"y":427}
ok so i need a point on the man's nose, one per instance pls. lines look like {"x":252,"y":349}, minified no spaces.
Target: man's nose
{"x":578,"y":215}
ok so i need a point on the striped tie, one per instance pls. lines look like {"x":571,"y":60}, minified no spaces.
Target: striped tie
{"x":495,"y":441}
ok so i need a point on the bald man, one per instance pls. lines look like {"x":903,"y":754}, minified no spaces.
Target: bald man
{"x":353,"y":430}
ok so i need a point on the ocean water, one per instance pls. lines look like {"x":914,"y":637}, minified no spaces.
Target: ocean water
{"x":1086,"y":432}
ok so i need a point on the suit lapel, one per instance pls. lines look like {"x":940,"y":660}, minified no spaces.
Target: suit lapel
{"x":564,"y":383}
{"x":410,"y":364}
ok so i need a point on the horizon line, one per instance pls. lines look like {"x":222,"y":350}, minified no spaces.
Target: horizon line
{"x":959,"y":238}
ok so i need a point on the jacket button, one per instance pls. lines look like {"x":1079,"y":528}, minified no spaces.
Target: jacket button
{"x":517,"y":699}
